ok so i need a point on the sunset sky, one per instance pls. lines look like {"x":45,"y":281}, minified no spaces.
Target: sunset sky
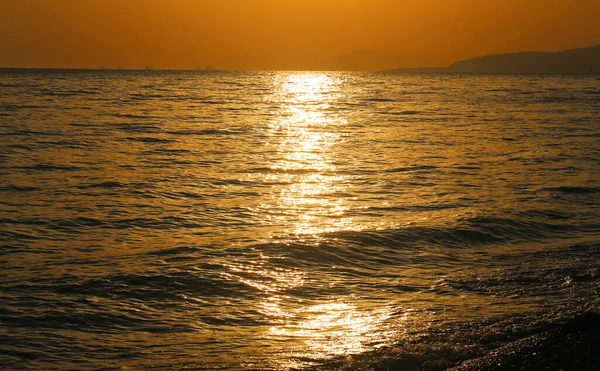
{"x":281,"y":34}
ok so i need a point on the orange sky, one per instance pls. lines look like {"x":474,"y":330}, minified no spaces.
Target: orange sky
{"x":281,"y":34}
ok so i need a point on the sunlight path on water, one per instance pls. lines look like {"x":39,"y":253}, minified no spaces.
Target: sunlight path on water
{"x":306,"y":133}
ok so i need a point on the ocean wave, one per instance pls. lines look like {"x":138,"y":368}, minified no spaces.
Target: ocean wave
{"x":107,"y":184}
{"x":149,"y":140}
{"x":200,"y":132}
{"x":573,"y":190}
{"x":16,"y":188}
{"x":47,"y":167}
{"x":467,"y":233}
{"x":134,"y":128}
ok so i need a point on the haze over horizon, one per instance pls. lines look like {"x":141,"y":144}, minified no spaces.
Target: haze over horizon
{"x":273,"y":34}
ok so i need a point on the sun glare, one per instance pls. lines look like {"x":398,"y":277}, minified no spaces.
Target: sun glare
{"x":307,"y":136}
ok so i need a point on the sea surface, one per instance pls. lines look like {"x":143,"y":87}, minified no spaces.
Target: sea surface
{"x":291,"y":220}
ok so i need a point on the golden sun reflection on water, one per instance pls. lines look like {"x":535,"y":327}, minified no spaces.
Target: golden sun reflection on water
{"x":331,"y":329}
{"x":306,"y":136}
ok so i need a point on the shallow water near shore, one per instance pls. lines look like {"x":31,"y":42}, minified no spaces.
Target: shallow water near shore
{"x":288,"y":220}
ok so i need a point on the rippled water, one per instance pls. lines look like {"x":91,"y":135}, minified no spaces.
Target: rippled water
{"x":288,"y":220}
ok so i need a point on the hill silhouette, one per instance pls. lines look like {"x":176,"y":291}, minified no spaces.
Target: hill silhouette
{"x":581,"y":60}
{"x":572,"y":61}
{"x":369,"y":60}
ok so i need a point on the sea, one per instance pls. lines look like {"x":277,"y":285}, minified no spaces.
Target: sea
{"x":215,"y":220}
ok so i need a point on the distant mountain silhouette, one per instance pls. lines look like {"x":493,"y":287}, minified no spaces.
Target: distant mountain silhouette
{"x":368,"y":60}
{"x":573,"y":61}
{"x":582,"y":60}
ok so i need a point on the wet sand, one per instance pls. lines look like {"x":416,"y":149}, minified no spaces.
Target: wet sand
{"x":573,"y":346}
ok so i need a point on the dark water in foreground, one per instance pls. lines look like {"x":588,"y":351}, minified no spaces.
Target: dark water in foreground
{"x":288,"y":220}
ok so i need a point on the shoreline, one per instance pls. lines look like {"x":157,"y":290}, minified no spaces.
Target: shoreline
{"x":571,"y":344}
